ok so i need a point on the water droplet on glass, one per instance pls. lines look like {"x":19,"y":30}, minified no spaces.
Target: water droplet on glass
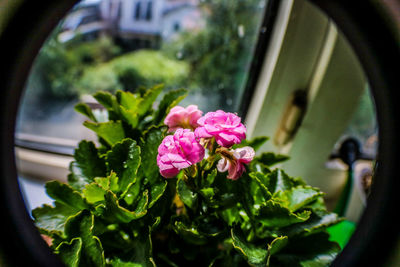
{"x":263,"y":29}
{"x":241,"y":31}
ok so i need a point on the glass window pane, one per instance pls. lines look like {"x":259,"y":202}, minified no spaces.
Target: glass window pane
{"x":203,"y":46}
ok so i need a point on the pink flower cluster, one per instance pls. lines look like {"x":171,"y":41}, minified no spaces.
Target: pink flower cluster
{"x":183,"y":148}
{"x":177,"y":152}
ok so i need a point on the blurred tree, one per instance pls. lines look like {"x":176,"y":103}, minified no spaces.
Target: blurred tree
{"x":60,"y":65}
{"x":57,"y":69}
{"x":132,"y":70}
{"x":220,"y":54}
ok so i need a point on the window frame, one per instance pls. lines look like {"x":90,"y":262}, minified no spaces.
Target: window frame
{"x":64,"y":148}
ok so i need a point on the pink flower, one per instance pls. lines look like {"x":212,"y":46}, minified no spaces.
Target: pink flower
{"x":180,"y":117}
{"x":177,"y":152}
{"x":224,"y":126}
{"x":235,"y":164}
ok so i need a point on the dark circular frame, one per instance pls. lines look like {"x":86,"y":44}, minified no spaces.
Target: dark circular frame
{"x":370,"y":30}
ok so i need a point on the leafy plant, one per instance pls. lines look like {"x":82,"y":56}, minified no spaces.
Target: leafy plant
{"x":117,"y":209}
{"x":132,"y":70}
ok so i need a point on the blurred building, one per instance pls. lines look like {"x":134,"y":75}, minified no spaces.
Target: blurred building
{"x":135,"y":23}
{"x":84,"y":20}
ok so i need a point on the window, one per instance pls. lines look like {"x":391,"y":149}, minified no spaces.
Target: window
{"x":143,"y":10}
{"x":206,"y":56}
{"x":149,"y":10}
{"x":177,"y":26}
{"x":138,"y":10}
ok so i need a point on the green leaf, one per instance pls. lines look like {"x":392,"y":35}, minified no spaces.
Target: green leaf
{"x":120,"y":263}
{"x":52,"y":218}
{"x":87,"y":165}
{"x":270,"y":158}
{"x":312,"y":251}
{"x":94,"y":193}
{"x":262,"y":180}
{"x":210,"y":178}
{"x":149,"y":145}
{"x":318,"y":204}
{"x":277,"y":245}
{"x":208,"y":193}
{"x":254,"y":255}
{"x":149,"y":97}
{"x":273,"y":214}
{"x":114,"y":185}
{"x":66,"y":195}
{"x":186,"y":195}
{"x":70,"y":253}
{"x":189,"y":233}
{"x":230,"y":216}
{"x":124,"y":159}
{"x":156,"y":192}
{"x":106,"y":99}
{"x":170,"y":100}
{"x":103,"y":182}
{"x":116,"y":213}
{"x":142,"y":249}
{"x":131,"y":194}
{"x":319,"y":221}
{"x":110,"y":182}
{"x":111,"y":131}
{"x":297,"y":197}
{"x":81,"y":225}
{"x":84,"y":109}
{"x":129,"y":101}
{"x":130,"y":116}
{"x":280,"y":181}
{"x":155,"y":224}
{"x":210,"y":225}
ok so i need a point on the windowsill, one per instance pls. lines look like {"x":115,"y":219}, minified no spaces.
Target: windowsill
{"x":42,"y":165}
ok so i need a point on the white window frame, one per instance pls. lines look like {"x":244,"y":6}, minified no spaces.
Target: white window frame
{"x":307,"y":53}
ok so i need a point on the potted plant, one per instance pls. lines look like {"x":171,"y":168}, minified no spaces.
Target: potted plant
{"x":171,"y":186}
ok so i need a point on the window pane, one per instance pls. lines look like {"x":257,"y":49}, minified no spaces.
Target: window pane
{"x":137,"y":11}
{"x":149,"y":10}
{"x":203,"y":46}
